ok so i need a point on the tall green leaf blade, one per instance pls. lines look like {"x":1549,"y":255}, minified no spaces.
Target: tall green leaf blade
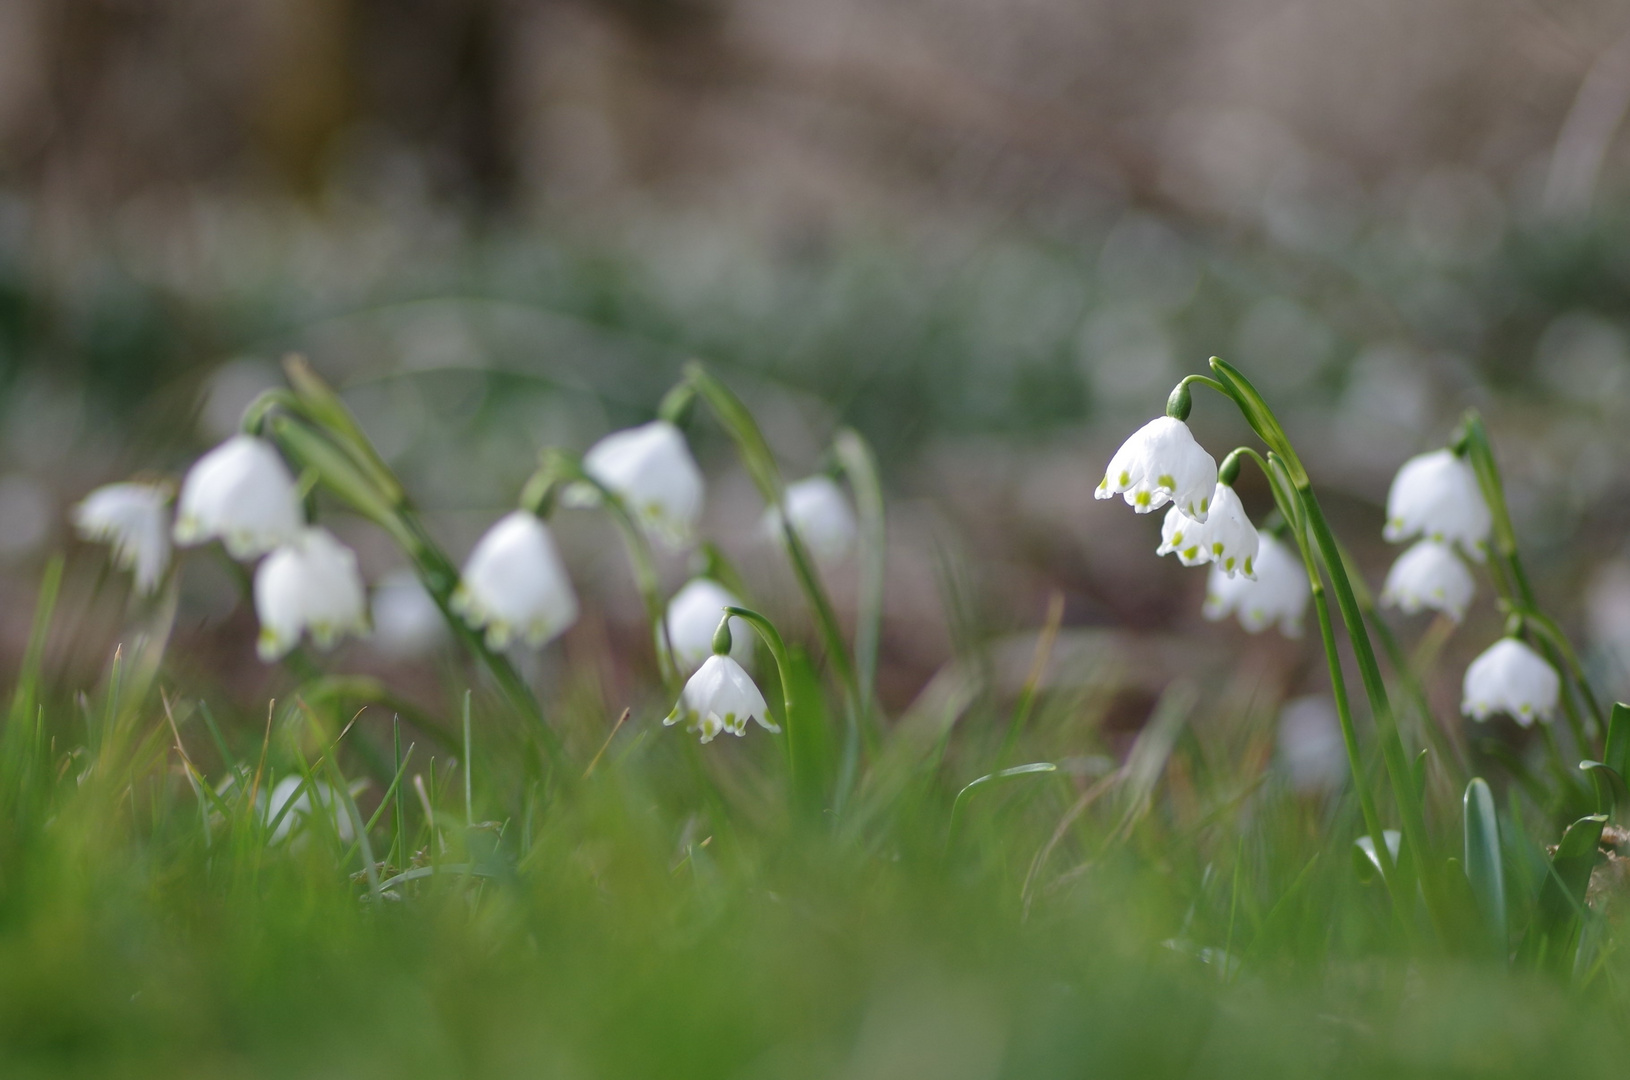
{"x":1485,"y":871}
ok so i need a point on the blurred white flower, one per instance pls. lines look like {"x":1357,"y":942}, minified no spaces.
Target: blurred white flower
{"x":1226,"y":538}
{"x":515,"y":586}
{"x":1311,"y":748}
{"x":720,"y":697}
{"x":407,"y":623}
{"x":693,"y":616}
{"x":1436,"y":495}
{"x":1511,"y":678}
{"x":1429,"y":575}
{"x":310,"y":585}
{"x":242,"y":493}
{"x":651,"y":469}
{"x":272,"y":805}
{"x":135,"y":519}
{"x":1161,"y":463}
{"x":1278,"y":594}
{"x":820,"y":514}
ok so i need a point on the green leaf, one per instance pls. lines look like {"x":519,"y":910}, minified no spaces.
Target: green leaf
{"x":1365,"y":861}
{"x":1611,"y":790}
{"x":1550,"y":941}
{"x":1617,"y":754}
{"x":1485,"y":871}
{"x":1001,"y":774}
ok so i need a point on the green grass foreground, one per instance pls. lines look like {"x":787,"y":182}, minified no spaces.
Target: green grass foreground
{"x":673,"y":913}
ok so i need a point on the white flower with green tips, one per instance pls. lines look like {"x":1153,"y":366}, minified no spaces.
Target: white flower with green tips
{"x":1161,"y":463}
{"x":721,"y":696}
{"x":1512,"y":678}
{"x":651,"y":470}
{"x":1429,"y":576}
{"x":1226,"y":538}
{"x":242,"y":493}
{"x":514,"y":586}
{"x":820,"y":515}
{"x":1278,"y":594}
{"x":308,"y":586}
{"x":1436,"y":495}
{"x":134,"y":519}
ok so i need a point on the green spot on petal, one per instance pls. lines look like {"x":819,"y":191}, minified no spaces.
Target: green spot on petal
{"x":1167,"y":480}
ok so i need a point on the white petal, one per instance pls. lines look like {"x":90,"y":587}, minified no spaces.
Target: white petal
{"x":1162,"y":463}
{"x":1279,"y":594}
{"x":242,"y":493}
{"x":1429,"y":575}
{"x":1512,"y":678}
{"x":693,"y":616}
{"x":309,"y":586}
{"x":515,"y":586}
{"x":1436,"y":495}
{"x":135,"y":520}
{"x":1226,"y":538}
{"x":720,"y":697}
{"x":651,"y":469}
{"x":821,"y":516}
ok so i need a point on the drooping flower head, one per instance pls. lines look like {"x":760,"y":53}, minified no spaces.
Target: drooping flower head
{"x":135,"y":519}
{"x":309,"y":585}
{"x":1226,"y":538}
{"x":651,"y":470}
{"x":819,"y":514}
{"x":242,"y":493}
{"x":514,"y":585}
{"x":1512,"y":678}
{"x":1429,"y":575}
{"x":1161,"y":463}
{"x":693,"y":616}
{"x":721,"y":696}
{"x":1278,"y":594}
{"x":1436,"y":495}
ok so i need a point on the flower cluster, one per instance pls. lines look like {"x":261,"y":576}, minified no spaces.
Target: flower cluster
{"x":1252,"y":575}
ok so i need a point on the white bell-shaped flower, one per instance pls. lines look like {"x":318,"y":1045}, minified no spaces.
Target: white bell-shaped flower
{"x":135,"y":519}
{"x":819,"y":514}
{"x":1512,"y":678}
{"x":1278,"y":594}
{"x":720,"y":697}
{"x":651,"y":470}
{"x":1436,"y":496}
{"x":514,"y":585}
{"x":1226,"y":538}
{"x":242,"y":493}
{"x":693,"y":616}
{"x":1429,"y":575}
{"x":1161,"y":463}
{"x":406,"y":621}
{"x":272,"y":808}
{"x":310,"y":585}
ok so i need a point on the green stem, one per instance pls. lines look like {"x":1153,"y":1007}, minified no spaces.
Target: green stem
{"x":789,"y":706}
{"x":859,"y":465}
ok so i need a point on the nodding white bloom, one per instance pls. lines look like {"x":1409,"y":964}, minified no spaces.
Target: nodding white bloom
{"x":1429,"y":575}
{"x":310,"y":585}
{"x":1436,"y":495}
{"x":241,"y":492}
{"x":1511,"y":678}
{"x":135,"y":519}
{"x":514,"y":585}
{"x":407,"y":623}
{"x":651,"y":469}
{"x":1226,"y":538}
{"x":1161,"y":463}
{"x":693,"y":616}
{"x":720,"y":697}
{"x":272,"y":805}
{"x":819,"y":514}
{"x":1278,"y":594}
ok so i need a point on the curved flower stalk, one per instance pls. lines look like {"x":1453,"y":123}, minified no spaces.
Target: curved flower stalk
{"x":693,"y":616}
{"x":1436,"y":495}
{"x":1162,"y":463}
{"x":242,"y":494}
{"x":721,"y":696}
{"x":651,"y":470}
{"x":819,"y":514}
{"x":1512,"y":678}
{"x":308,"y":586}
{"x":1278,"y":594}
{"x":1321,"y":557}
{"x":1429,"y":576}
{"x":134,"y":518}
{"x":514,"y":587}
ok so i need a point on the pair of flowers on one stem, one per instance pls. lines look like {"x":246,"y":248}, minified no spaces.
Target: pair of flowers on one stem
{"x":1434,"y":496}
